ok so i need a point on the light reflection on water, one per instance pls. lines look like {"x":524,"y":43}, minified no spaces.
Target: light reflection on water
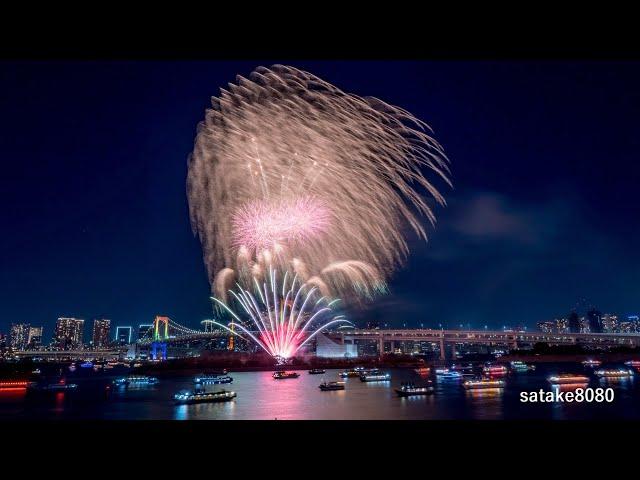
{"x":259,"y":396}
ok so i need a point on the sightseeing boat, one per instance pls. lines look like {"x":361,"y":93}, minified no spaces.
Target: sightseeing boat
{"x":285,"y":375}
{"x":409,"y":389}
{"x":591,"y":363}
{"x":212,"y":379}
{"x":317,"y":371}
{"x":329,"y":386}
{"x":375,"y":377}
{"x":520,"y":366}
{"x":422,"y":370}
{"x":350,"y":373}
{"x":60,"y":385}
{"x":483,"y":383}
{"x":494,"y":370}
{"x":446,"y":374}
{"x":614,"y":373}
{"x":568,"y":379}
{"x":200,"y":396}
{"x":633,"y":363}
{"x":14,"y":385}
{"x":135,"y":380}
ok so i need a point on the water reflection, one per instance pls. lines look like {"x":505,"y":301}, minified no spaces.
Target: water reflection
{"x":262,"y":397}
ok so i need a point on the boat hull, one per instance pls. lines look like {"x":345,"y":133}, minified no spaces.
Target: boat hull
{"x":203,"y":399}
{"x":404,"y":393}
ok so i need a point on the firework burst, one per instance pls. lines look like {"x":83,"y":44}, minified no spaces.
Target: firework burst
{"x":282,"y":318}
{"x":261,"y":225}
{"x":289,"y":172}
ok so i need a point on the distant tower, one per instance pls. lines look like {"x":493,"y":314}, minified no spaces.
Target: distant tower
{"x":574,"y":322}
{"x":101,"y":332}
{"x":595,"y":320}
{"x":160,"y":335}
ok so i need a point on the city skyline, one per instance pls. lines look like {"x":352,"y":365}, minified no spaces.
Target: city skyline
{"x":536,"y":219}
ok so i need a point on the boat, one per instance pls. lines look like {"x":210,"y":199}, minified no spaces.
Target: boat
{"x":186,"y":397}
{"x":56,"y":386}
{"x":591,"y":363}
{"x":633,"y":363}
{"x":447,"y":374}
{"x":350,"y":373}
{"x":483,"y":383}
{"x":86,"y":365}
{"x":72,"y":368}
{"x":375,"y":377}
{"x":135,"y":380}
{"x":14,"y":384}
{"x":614,"y":373}
{"x":317,"y":371}
{"x":567,"y":379}
{"x":422,"y":370}
{"x":408,"y":389}
{"x":212,"y":379}
{"x":328,"y":386}
{"x":37,"y":371}
{"x":285,"y":375}
{"x":494,"y":370}
{"x":519,"y":366}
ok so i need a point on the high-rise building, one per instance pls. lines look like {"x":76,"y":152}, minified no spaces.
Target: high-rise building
{"x":19,"y":335}
{"x":145,"y":330}
{"x":547,"y":327}
{"x":35,"y":337}
{"x":69,"y":333}
{"x":584,"y":325}
{"x":101,"y":332}
{"x":562,"y":325}
{"x":574,"y":322}
{"x":627,"y":327}
{"x":594,"y":317}
{"x":609,"y":323}
{"x":123,"y":335}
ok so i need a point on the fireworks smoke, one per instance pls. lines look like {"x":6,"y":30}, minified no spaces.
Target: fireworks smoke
{"x":290,"y":172}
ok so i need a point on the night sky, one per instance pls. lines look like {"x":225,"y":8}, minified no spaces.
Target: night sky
{"x":543,"y":213}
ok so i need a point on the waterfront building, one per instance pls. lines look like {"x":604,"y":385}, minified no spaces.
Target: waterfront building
{"x":327,"y":348}
{"x":35,"y":338}
{"x":627,"y":327}
{"x":609,"y":323}
{"x":547,"y":327}
{"x":123,"y":335}
{"x":594,"y":317}
{"x":584,"y":325}
{"x":574,"y":322}
{"x":101,"y":332}
{"x":562,"y":325}
{"x":69,"y":333}
{"x":19,"y":336}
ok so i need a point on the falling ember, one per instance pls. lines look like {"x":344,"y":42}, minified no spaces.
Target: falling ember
{"x":283,"y":317}
{"x":262,"y":225}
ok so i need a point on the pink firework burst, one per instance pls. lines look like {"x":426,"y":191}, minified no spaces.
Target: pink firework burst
{"x":261,"y":225}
